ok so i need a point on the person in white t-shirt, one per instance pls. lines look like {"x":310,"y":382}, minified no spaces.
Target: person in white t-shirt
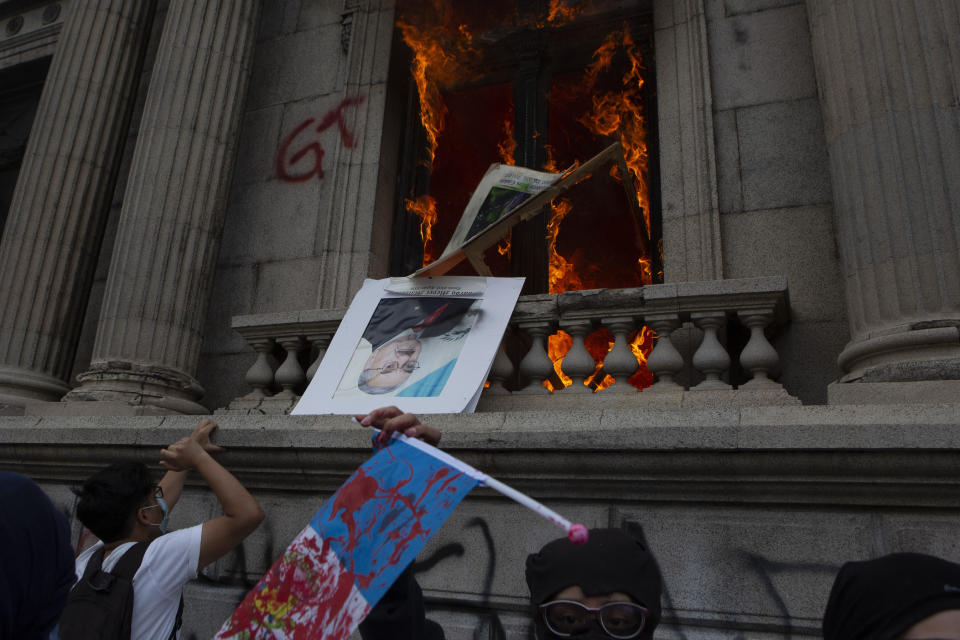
{"x":122,"y":505}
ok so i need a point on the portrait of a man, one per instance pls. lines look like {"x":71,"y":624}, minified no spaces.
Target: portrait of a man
{"x":409,"y":347}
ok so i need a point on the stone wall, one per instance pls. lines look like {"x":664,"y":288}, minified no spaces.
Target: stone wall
{"x":776,"y":213}
{"x":295,"y":240}
{"x":750,"y":512}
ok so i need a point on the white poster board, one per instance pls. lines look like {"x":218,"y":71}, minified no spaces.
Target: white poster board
{"x":501,"y":191}
{"x":422,"y":344}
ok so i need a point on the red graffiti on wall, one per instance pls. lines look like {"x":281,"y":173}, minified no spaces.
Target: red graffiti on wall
{"x":287,"y":158}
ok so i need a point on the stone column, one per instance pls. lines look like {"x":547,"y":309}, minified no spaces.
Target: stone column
{"x":888,"y":81}
{"x":161,"y":272}
{"x":48,"y":251}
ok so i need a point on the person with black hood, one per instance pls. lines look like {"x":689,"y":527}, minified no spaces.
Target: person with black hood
{"x":901,"y":596}
{"x":36,"y":560}
{"x":607,"y":588}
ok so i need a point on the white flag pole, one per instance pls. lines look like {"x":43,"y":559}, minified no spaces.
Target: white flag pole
{"x":576,"y":532}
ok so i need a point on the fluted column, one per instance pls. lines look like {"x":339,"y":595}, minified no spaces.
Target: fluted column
{"x":150,"y":326}
{"x":889,"y":79}
{"x":49,"y":248}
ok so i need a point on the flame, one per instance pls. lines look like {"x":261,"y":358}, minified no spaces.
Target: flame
{"x":441,"y":52}
{"x":560,"y":13}
{"x":620,"y":112}
{"x":508,"y":146}
{"x":641,"y":343}
{"x":503,"y":248}
{"x":562,"y":275}
{"x":428,"y":57}
{"x":433,"y":60}
{"x":424,"y":207}
{"x":557,"y":347}
{"x":598,"y":344}
{"x":647,"y":266}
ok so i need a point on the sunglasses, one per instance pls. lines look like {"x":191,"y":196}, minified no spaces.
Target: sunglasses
{"x":620,"y":620}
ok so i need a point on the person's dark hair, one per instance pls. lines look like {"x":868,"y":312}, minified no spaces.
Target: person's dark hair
{"x":879,"y":599}
{"x":612,"y":560}
{"x":109,"y":499}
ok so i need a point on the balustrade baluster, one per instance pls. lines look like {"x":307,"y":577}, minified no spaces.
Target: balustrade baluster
{"x":260,"y":375}
{"x":536,"y":365}
{"x":664,"y":361}
{"x":758,"y":356}
{"x":290,"y":375}
{"x":620,"y":362}
{"x":711,"y":358}
{"x":578,"y":363}
{"x":320,"y":342}
{"x":500,"y":372}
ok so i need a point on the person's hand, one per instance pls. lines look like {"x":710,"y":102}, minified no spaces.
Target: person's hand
{"x":391,"y":419}
{"x":182,"y":455}
{"x":202,"y":432}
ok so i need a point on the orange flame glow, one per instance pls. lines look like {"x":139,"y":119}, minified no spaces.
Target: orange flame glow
{"x":428,"y":57}
{"x":440,"y":56}
{"x":431,"y":63}
{"x":620,"y":112}
{"x":508,"y":146}
{"x":562,"y":274}
{"x":424,"y":207}
{"x":503,"y":248}
{"x":561,"y":12}
{"x":557,"y":347}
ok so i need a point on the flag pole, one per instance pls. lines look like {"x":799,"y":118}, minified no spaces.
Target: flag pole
{"x":576,"y":532}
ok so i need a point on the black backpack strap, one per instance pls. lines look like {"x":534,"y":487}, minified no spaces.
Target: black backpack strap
{"x":93,"y":564}
{"x":179,"y":622}
{"x":130,"y":561}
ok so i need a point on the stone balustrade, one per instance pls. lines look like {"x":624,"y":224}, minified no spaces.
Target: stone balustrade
{"x":711,"y":348}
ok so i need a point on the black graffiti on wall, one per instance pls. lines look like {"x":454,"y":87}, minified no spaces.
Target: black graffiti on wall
{"x":243,"y":566}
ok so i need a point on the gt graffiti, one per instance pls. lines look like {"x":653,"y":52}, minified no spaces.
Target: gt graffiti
{"x":299,"y":160}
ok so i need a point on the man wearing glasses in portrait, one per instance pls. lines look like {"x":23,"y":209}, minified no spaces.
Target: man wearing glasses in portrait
{"x":409,"y":347}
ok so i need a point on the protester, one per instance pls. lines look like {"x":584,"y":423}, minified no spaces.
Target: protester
{"x":608,"y":588}
{"x":122,"y":505}
{"x":36,"y":560}
{"x":901,"y":596}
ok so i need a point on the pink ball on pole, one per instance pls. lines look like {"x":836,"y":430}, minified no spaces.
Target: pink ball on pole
{"x":578,"y":534}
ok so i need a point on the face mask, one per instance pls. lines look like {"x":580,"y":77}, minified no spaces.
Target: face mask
{"x":166,"y":514}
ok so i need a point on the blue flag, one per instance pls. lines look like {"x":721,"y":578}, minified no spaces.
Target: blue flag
{"x":355,"y":547}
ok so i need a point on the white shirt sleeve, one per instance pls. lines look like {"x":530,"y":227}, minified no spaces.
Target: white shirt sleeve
{"x":171,"y":560}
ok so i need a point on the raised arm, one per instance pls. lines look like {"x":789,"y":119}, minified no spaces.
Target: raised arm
{"x":241,"y":512}
{"x":173,"y":481}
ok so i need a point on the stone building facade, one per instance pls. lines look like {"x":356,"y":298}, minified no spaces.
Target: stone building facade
{"x":162,"y":257}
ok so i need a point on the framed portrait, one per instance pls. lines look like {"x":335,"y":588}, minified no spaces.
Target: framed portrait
{"x":423,"y":344}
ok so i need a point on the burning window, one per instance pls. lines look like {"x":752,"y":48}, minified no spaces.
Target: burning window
{"x":544,"y":86}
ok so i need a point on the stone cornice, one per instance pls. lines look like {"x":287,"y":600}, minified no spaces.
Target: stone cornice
{"x":853,"y":456}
